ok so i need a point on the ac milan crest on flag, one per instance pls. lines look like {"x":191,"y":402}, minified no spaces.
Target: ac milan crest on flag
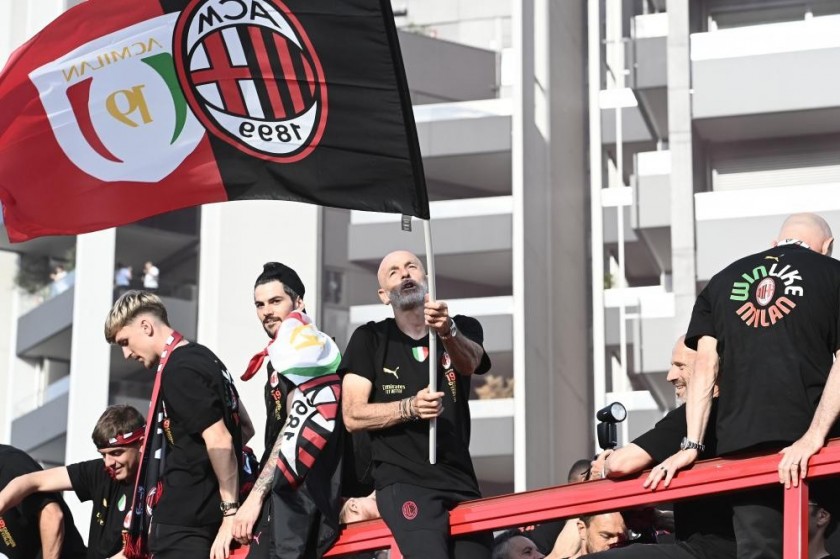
{"x":165,"y":104}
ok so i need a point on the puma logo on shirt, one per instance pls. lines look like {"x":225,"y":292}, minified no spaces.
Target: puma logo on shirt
{"x":394,"y":372}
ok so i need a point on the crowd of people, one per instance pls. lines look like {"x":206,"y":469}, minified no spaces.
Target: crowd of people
{"x":347,"y":438}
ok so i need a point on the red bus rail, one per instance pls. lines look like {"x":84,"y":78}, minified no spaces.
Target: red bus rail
{"x":542,"y":505}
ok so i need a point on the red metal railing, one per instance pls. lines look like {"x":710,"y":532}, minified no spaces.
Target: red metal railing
{"x":522,"y":509}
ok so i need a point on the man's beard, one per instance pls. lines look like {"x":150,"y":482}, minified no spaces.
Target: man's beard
{"x":409,"y":294}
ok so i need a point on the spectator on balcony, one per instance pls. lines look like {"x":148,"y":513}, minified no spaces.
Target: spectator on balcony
{"x":295,"y":503}
{"x":107,"y":482}
{"x":198,"y":421}
{"x":386,"y":392}
{"x":122,"y":277}
{"x":513,"y":544}
{"x":151,"y":276}
{"x":58,"y":277}
{"x":33,"y":525}
{"x":703,"y":526}
{"x":773,"y":320}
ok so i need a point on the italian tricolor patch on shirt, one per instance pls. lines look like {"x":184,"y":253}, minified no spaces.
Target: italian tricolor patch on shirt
{"x":420,"y":353}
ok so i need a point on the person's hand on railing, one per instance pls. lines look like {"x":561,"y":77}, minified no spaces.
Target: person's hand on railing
{"x":794,"y":463}
{"x":666,"y":471}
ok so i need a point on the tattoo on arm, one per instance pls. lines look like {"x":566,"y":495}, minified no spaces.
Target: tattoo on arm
{"x":266,"y":478}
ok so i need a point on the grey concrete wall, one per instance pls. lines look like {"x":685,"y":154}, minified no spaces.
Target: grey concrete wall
{"x":779,"y":82}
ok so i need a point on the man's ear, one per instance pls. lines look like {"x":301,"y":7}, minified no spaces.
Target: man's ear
{"x":827,"y":246}
{"x":147,"y":326}
{"x":581,"y":529}
{"x":823,"y":517}
{"x":299,"y":304}
{"x":383,"y":296}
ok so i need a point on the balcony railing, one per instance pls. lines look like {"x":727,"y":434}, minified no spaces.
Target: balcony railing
{"x":522,"y":509}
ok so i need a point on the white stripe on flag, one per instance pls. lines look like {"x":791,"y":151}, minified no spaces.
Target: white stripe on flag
{"x":234,"y":46}
{"x":252,"y":100}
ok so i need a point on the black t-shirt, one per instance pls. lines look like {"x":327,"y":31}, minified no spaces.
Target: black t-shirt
{"x":775,"y":316}
{"x":277,"y":389}
{"x":111,"y":503}
{"x":197,"y":391}
{"x":401,"y":452}
{"x":707,"y":518}
{"x":19,"y":531}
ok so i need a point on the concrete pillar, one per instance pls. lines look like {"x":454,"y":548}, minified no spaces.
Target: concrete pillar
{"x":683,"y":267}
{"x":236,"y":240}
{"x":90,"y":355}
{"x":8,"y":329}
{"x":552,"y":399}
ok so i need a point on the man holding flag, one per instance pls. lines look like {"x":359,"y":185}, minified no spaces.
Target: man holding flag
{"x":385,"y":391}
{"x":292,"y":510}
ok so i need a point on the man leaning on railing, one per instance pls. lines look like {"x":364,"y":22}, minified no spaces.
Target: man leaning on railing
{"x":772,"y":319}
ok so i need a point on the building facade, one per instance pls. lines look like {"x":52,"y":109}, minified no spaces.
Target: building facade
{"x":591,"y":164}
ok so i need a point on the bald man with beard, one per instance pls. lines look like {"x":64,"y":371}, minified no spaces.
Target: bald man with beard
{"x":385,"y":391}
{"x":773,"y":320}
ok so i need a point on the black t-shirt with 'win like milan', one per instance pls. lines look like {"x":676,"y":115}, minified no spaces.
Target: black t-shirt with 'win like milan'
{"x":775,"y":316}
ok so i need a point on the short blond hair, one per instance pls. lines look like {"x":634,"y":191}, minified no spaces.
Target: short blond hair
{"x":129,"y":306}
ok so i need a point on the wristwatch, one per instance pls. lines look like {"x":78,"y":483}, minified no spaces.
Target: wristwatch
{"x":453,"y":330}
{"x":227,"y":506}
{"x":687,"y":444}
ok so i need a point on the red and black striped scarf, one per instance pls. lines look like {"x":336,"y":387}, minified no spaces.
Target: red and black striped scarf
{"x":147,"y":486}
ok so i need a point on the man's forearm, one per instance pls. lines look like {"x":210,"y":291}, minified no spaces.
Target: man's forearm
{"x":51,"y":529}
{"x":266,"y":478}
{"x":700,"y":389}
{"x":627,"y":460}
{"x":829,"y":406}
{"x":54,"y":479}
{"x":372,"y":416}
{"x":465,"y":354}
{"x":223,"y":459}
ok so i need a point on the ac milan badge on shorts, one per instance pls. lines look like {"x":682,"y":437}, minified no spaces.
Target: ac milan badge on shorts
{"x":410,"y":510}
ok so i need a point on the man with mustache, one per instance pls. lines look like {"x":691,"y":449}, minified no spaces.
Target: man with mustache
{"x":413,"y":496}
{"x":298,"y":519}
{"x":108,"y":482}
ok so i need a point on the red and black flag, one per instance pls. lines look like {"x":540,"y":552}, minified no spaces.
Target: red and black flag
{"x":122,"y":109}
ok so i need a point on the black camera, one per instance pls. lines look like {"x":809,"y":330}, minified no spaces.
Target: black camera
{"x":608,"y":418}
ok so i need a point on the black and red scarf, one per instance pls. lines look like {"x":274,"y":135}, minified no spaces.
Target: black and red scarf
{"x":149,"y":482}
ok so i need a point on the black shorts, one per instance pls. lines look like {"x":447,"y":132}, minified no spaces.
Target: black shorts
{"x":419,"y":521}
{"x":168,"y":541}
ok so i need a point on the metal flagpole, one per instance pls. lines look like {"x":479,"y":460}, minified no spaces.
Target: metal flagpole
{"x":430,"y":272}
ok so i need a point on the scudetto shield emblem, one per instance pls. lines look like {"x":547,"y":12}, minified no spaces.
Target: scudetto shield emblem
{"x":115,"y":106}
{"x":251,"y":75}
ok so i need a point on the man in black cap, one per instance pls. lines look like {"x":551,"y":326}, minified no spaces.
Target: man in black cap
{"x":300,"y":519}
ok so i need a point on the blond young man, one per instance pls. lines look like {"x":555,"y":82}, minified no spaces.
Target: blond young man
{"x":195,"y":490}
